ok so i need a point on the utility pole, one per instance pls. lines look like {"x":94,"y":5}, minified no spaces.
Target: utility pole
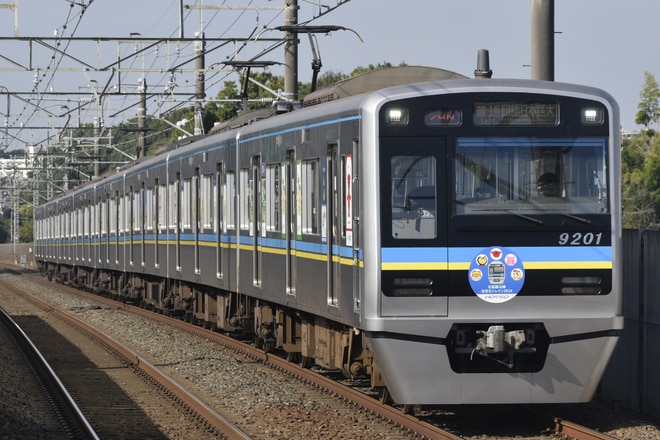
{"x":180,"y":18}
{"x":291,"y":51}
{"x":97,"y":148}
{"x":14,"y":9}
{"x":200,"y":94}
{"x":142,"y":112}
{"x":15,"y":223}
{"x":543,"y":40}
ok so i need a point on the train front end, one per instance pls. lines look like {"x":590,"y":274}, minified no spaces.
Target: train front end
{"x":493,"y":272}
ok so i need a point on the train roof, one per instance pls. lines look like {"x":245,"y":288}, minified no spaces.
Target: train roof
{"x":378,"y":79}
{"x":355,"y":85}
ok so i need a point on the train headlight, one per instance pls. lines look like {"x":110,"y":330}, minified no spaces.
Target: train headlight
{"x":592,"y":116}
{"x":396,"y":116}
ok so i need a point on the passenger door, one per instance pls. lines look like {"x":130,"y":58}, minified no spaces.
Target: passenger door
{"x":290,"y":203}
{"x":333,"y":220}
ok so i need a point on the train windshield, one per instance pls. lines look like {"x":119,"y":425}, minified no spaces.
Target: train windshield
{"x":414,"y":196}
{"x":519,"y":175}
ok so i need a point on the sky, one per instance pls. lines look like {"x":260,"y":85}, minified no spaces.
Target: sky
{"x":602,"y":43}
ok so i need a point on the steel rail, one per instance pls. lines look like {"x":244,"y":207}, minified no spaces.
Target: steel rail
{"x":210,"y":416}
{"x":76,"y":424}
{"x":578,"y":432}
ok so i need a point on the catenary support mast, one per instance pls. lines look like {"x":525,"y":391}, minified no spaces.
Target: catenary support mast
{"x":543,"y":40}
{"x":291,"y":51}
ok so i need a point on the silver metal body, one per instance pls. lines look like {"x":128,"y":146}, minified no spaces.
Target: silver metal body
{"x":332,"y":267}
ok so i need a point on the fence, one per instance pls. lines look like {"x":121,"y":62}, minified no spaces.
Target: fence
{"x":631,"y":378}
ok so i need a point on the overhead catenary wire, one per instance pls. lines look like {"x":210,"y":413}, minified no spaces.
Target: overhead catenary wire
{"x":166,"y":79}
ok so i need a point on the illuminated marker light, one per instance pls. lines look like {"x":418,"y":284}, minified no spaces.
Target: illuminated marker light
{"x":592,"y":116}
{"x":396,"y":116}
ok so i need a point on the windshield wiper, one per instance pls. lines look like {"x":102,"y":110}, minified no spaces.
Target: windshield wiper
{"x":575,"y":217}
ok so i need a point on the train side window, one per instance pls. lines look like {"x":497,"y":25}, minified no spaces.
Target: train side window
{"x":104,"y":217}
{"x":137,"y":212}
{"x":125,"y":214}
{"x":86,"y":221}
{"x":186,"y":204}
{"x":309,"y":196}
{"x":273,"y":198}
{"x":112,"y":215}
{"x":244,"y":201}
{"x":78,"y":215}
{"x":206,"y":207}
{"x":149,"y":210}
{"x":162,"y":204}
{"x":92,"y":221}
{"x":172,"y":208}
{"x":230,"y":198}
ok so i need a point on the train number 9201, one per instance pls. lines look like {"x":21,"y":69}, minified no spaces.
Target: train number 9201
{"x":580,"y":239}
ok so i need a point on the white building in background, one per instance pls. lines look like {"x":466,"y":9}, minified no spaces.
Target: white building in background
{"x":14,"y":173}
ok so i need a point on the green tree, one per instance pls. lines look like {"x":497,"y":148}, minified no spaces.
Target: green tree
{"x":640,"y":164}
{"x":638,"y":208}
{"x":384,"y":65}
{"x":25,"y":224}
{"x":648,"y":109}
{"x":5,"y":226}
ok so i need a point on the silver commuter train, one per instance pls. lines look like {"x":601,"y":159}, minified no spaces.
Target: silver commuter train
{"x":458,"y":240}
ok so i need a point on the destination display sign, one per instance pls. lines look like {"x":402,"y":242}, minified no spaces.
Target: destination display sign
{"x":515,"y":113}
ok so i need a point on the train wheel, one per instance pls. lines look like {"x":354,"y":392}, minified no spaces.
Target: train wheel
{"x":292,"y":356}
{"x":306,"y":361}
{"x":408,"y":409}
{"x":269,"y":346}
{"x":384,"y":395}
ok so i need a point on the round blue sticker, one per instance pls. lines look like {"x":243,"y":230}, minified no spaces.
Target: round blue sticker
{"x":496,"y":275}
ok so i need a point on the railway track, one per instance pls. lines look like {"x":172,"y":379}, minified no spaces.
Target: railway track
{"x":578,"y":432}
{"x":394,"y":415}
{"x":106,"y":405}
{"x":73,"y":422}
{"x":389,"y":413}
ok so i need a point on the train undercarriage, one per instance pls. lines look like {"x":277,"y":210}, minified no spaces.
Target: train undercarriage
{"x":305,"y":338}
